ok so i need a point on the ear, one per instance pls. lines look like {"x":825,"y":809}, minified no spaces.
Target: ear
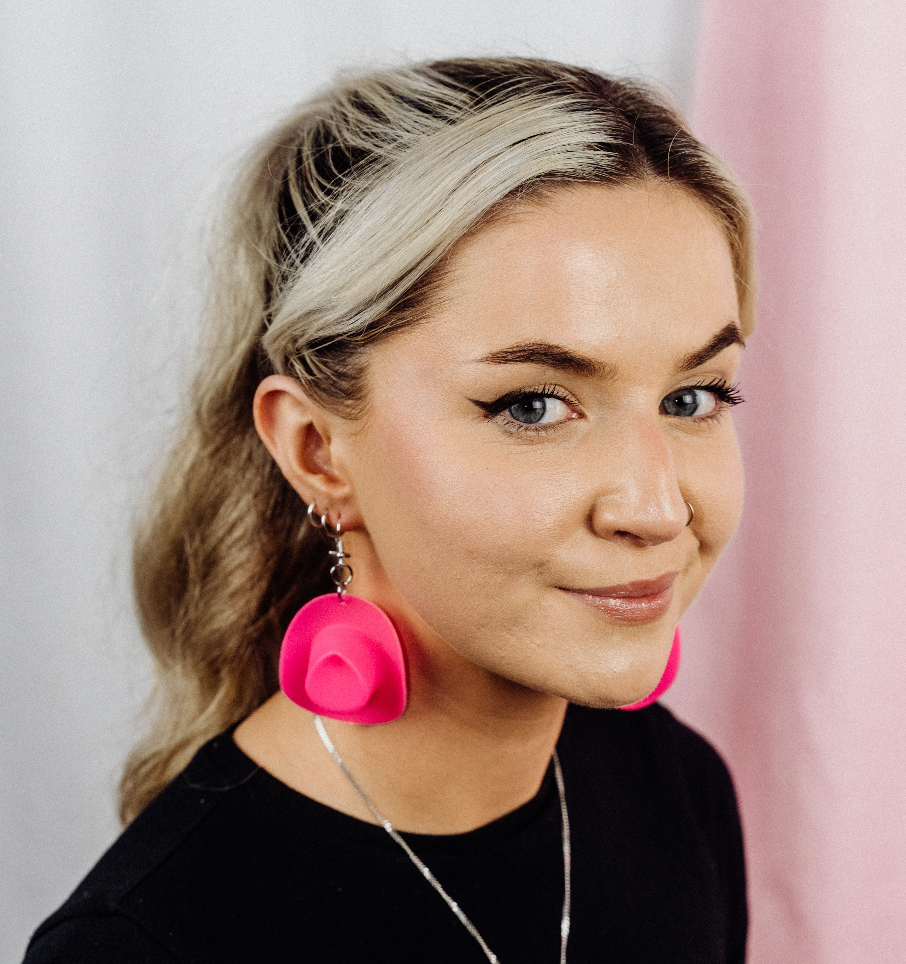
{"x":302,"y":438}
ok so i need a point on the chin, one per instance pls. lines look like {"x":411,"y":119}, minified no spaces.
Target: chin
{"x":611,"y":700}
{"x":614,"y":686}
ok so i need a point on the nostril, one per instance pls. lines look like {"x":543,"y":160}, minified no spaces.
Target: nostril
{"x":633,"y":537}
{"x":643,"y":538}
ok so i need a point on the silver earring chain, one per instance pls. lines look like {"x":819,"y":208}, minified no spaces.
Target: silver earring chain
{"x":340,"y":571}
{"x":433,"y":881}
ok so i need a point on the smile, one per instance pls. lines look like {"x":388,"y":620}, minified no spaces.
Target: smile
{"x":632,"y":602}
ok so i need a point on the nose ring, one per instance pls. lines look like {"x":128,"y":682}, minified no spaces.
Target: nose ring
{"x":691,"y":513}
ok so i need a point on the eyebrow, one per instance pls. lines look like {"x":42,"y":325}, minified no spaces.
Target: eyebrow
{"x":551,"y":356}
{"x":728,"y":335}
{"x":563,"y":359}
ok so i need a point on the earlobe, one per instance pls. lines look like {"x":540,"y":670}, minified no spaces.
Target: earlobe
{"x":298,"y":434}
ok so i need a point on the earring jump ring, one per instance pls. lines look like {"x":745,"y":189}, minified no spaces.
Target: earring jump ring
{"x":341,"y":575}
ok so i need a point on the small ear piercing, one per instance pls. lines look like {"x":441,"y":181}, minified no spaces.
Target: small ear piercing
{"x":316,"y":520}
{"x":691,"y":513}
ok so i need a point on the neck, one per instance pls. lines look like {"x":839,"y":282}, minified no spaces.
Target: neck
{"x":470,"y":748}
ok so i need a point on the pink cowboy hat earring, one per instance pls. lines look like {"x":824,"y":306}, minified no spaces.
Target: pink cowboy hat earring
{"x":341,"y":656}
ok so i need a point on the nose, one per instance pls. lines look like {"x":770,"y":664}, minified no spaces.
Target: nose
{"x":639,"y":500}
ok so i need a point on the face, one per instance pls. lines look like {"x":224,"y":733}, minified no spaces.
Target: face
{"x":522,"y":473}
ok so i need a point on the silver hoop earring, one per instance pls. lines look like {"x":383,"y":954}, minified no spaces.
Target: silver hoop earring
{"x":691,"y":513}
{"x":314,"y":518}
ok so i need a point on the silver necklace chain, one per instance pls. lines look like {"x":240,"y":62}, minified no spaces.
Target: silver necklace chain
{"x":434,"y":882}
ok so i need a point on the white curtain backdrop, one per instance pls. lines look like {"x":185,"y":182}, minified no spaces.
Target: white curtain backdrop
{"x":118,"y":120}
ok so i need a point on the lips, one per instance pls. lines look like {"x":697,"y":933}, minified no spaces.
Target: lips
{"x":641,"y":601}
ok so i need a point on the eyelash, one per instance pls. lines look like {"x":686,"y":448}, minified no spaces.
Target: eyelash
{"x":496,"y":408}
{"x":728,"y":395}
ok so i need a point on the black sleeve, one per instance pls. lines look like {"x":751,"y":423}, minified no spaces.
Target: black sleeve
{"x":715,"y":801}
{"x":737,"y":949}
{"x":734,"y":873}
{"x":730,"y":831}
{"x":96,"y":939}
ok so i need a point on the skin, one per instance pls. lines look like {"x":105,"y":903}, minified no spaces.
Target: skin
{"x":474,"y":533}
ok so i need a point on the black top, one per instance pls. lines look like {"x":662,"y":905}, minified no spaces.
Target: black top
{"x":229,"y":864}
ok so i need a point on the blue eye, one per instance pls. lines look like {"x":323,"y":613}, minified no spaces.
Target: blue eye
{"x":529,"y":410}
{"x":689,"y":403}
{"x":538,"y":408}
{"x":700,"y":401}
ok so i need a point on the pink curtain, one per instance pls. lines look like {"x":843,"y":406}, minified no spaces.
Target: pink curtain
{"x":796,"y":654}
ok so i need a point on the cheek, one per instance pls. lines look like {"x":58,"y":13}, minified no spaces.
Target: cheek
{"x":452,"y":521}
{"x":718,"y":486}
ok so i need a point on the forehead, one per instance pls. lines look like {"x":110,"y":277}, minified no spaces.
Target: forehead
{"x":605,"y":271}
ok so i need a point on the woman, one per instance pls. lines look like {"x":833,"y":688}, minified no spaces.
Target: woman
{"x":482,"y":318}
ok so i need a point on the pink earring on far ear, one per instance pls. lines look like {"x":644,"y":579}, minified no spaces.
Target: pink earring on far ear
{"x":341,"y":656}
{"x":667,"y":678}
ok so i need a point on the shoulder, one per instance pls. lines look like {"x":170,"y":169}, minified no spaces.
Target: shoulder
{"x":698,"y":765}
{"x":96,"y":939}
{"x":102,"y":919}
{"x":666,"y":787}
{"x":651,"y":754}
{"x":652,"y":734}
{"x":655,"y":805}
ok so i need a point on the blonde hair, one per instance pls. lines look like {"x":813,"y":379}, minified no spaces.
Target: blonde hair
{"x":334,"y":236}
